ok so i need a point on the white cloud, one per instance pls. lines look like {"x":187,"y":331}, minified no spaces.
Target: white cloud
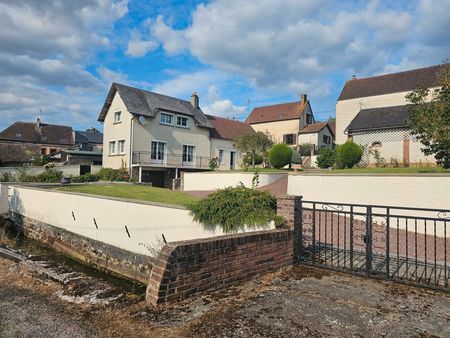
{"x":173,"y":41}
{"x":137,"y":47}
{"x":221,"y":107}
{"x":46,"y":47}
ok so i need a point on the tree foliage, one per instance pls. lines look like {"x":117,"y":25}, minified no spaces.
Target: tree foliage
{"x":280,"y":155}
{"x":326,"y":158}
{"x":254,"y":143}
{"x":349,"y":154}
{"x":430,"y":119}
{"x":235,"y":209}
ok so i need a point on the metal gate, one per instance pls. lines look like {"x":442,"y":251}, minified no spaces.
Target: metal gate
{"x":406,"y":244}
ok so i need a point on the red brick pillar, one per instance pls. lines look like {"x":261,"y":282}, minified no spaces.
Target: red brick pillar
{"x":406,"y":149}
{"x":290,"y":207}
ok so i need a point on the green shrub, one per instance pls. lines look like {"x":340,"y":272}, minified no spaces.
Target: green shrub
{"x":280,"y":155}
{"x":296,"y":158}
{"x":113,"y":175}
{"x":234,"y":209}
{"x":50,"y":176}
{"x":348,"y":154}
{"x":305,"y":149}
{"x":88,"y":177}
{"x":213,"y":163}
{"x":247,"y":159}
{"x":7,"y":177}
{"x":326,"y":158}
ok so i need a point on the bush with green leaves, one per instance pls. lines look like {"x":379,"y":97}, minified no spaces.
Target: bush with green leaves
{"x":247,"y":160}
{"x":234,"y":209}
{"x":296,"y":157}
{"x":326,"y":158}
{"x":113,"y":175}
{"x":88,"y":177}
{"x":305,"y":149}
{"x":348,"y":154}
{"x":280,"y":155}
{"x":50,"y":176}
{"x":7,"y":177}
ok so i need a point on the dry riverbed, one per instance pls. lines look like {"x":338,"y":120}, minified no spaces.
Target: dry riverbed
{"x":297,"y":302}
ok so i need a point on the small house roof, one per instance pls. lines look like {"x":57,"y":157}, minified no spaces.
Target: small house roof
{"x":228,"y":129}
{"x":277,"y":112}
{"x":380,"y":118}
{"x":314,"y":128}
{"x":39,"y":132}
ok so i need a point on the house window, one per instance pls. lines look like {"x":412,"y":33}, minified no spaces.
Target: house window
{"x":182,"y":121}
{"x":188,"y":153}
{"x":289,"y":138}
{"x":112,"y":147}
{"x":18,"y":135}
{"x":121,"y":146}
{"x":326,"y":139}
{"x":117,"y":117}
{"x":221,"y":157}
{"x":166,"y":118}
{"x":158,"y":151}
{"x":308,"y":118}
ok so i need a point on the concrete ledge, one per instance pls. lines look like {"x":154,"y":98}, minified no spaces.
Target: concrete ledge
{"x":191,"y":267}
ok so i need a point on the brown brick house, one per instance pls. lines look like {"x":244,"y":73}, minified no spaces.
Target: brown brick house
{"x":24,"y":142}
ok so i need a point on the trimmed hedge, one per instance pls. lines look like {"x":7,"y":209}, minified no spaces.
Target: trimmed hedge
{"x":326,"y":158}
{"x":348,"y":154}
{"x":280,"y":155}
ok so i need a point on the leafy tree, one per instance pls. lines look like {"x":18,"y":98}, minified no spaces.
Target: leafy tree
{"x":249,"y":158}
{"x":254,"y":143}
{"x":349,"y":154}
{"x":280,"y":155}
{"x":326,"y":158}
{"x":430,"y":120}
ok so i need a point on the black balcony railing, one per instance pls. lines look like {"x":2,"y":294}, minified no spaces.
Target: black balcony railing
{"x":170,"y":160}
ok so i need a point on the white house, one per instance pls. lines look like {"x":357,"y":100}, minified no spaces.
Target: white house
{"x":157,"y":136}
{"x":373,"y":112}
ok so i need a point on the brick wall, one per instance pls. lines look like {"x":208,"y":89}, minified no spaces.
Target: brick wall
{"x":186,"y":268}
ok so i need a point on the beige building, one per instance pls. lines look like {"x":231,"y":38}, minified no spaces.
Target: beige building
{"x":373,"y":112}
{"x":292,"y":123}
{"x":157,"y":137}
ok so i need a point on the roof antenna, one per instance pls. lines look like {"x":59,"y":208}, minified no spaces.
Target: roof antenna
{"x":40,"y":111}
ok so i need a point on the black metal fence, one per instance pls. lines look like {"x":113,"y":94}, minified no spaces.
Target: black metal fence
{"x":410,"y":245}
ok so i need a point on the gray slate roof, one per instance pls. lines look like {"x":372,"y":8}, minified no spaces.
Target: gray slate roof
{"x":380,"y":118}
{"x":146,"y":103}
{"x":392,"y":83}
{"x":88,"y":137}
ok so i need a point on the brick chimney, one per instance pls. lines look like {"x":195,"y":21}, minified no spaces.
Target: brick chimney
{"x":303,"y":98}
{"x":194,"y":100}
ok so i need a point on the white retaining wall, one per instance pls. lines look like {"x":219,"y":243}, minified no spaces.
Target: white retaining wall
{"x":68,"y":170}
{"x":215,"y":180}
{"x":422,"y":191}
{"x":146,"y":223}
{"x":3,"y":199}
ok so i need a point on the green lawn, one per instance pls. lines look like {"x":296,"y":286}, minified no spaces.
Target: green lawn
{"x":263,"y":170}
{"x":136,"y":192}
{"x":409,"y":170}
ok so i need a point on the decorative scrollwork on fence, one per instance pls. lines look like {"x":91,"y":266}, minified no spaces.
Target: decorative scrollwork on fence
{"x":336,"y":207}
{"x":443,"y":215}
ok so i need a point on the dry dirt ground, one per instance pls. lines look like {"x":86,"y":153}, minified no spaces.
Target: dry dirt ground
{"x":298,"y":302}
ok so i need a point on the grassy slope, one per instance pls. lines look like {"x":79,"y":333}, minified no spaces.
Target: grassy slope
{"x":136,"y":192}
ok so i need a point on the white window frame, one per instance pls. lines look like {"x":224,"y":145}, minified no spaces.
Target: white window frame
{"x":166,"y":123}
{"x":117,"y":116}
{"x":192,"y":162}
{"x":119,"y":151}
{"x":109,"y":149}
{"x":162,"y":161}
{"x":221,"y":159}
{"x":185,"y":118}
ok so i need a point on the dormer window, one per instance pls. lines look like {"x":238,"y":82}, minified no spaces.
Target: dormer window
{"x":44,"y":138}
{"x":308,"y":119}
{"x":117,"y":117}
{"x":182,"y":121}
{"x":19,"y":135}
{"x":166,"y":118}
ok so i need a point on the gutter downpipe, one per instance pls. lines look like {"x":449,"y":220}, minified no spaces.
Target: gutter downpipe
{"x":130,"y":170}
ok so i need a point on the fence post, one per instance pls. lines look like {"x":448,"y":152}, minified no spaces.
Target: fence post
{"x":369,"y":240}
{"x":290,"y":207}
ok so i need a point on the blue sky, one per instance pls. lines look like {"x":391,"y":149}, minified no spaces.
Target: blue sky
{"x":61,"y":57}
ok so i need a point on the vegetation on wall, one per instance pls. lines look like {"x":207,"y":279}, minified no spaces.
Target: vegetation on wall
{"x":348,"y":154}
{"x":430,"y":120}
{"x":280,"y":155}
{"x":235,"y":209}
{"x":326,"y":158}
{"x":254,"y":144}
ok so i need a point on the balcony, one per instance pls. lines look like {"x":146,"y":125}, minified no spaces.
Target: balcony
{"x":145,"y":158}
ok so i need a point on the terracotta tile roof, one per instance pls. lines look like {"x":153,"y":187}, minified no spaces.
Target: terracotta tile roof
{"x":277,"y":112}
{"x":19,"y":152}
{"x":313,"y":127}
{"x":228,"y":129}
{"x":44,"y":134}
{"x":391,"y":83}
